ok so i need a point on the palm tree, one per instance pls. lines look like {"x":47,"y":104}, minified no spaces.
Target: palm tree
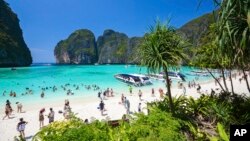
{"x":162,"y":49}
{"x":234,"y":32}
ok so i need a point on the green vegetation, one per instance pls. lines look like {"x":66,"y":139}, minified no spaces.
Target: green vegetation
{"x":161,"y":49}
{"x":207,"y":118}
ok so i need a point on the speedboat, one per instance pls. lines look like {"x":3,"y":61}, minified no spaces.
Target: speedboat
{"x":134,"y":79}
{"x":199,"y":73}
{"x":172,"y":75}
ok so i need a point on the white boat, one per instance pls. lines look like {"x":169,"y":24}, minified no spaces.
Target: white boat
{"x":134,"y":79}
{"x":199,"y":73}
{"x":172,"y":75}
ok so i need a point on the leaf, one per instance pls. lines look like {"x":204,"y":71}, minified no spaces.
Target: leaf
{"x":222,"y":132}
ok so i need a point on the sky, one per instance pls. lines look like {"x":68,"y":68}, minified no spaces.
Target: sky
{"x":45,"y":22}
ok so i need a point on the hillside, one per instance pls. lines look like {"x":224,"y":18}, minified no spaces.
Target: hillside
{"x":13,"y":50}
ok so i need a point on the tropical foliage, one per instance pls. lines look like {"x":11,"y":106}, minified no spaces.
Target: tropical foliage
{"x":162,"y":49}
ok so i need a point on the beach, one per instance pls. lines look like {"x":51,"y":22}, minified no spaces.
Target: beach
{"x":88,"y":108}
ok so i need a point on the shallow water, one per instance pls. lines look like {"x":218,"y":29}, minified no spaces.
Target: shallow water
{"x":37,"y":77}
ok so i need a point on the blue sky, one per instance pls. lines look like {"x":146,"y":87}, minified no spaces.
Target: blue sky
{"x":46,"y":22}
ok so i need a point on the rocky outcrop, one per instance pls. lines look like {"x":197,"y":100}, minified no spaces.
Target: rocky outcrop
{"x":117,"y":48}
{"x":197,"y":28}
{"x":13,"y":50}
{"x":112,"y":47}
{"x":133,"y":49}
{"x":78,"y":48}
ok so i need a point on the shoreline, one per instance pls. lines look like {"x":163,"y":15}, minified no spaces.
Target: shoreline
{"x":86,"y":108}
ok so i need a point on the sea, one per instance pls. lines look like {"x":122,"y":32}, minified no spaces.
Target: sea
{"x":83,"y":81}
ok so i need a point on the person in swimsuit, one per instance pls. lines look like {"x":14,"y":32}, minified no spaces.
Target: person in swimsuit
{"x":7,"y":111}
{"x":10,"y":108}
{"x":21,"y":127}
{"x":41,"y":118}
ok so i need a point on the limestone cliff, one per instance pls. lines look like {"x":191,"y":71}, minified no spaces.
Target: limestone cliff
{"x":78,"y":48}
{"x":13,"y":50}
{"x":112,"y":47}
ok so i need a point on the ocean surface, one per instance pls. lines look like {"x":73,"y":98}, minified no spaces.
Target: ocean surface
{"x":32,"y":80}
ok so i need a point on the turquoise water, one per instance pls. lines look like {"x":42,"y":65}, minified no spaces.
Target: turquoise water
{"x":37,"y":77}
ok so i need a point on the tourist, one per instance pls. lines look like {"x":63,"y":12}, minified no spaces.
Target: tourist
{"x":86,"y":121}
{"x":21,"y":127}
{"x":19,"y":107}
{"x":240,"y":79}
{"x":198,"y":88}
{"x":153,"y":92}
{"x":122,"y":98}
{"x":139,"y":107}
{"x":42,"y":94}
{"x":4,"y":93}
{"x":41,"y":118}
{"x":212,"y":92}
{"x":184,"y":90}
{"x":170,"y":82}
{"x":108,"y":92}
{"x":99,"y":95}
{"x":140,"y":95}
{"x":7,"y":111}
{"x":161,"y":93}
{"x":101,"y":106}
{"x":111,"y":92}
{"x":127,"y":103}
{"x":130,"y":90}
{"x":9,"y":106}
{"x":51,"y":115}
{"x":67,"y":109}
{"x":104,"y":95}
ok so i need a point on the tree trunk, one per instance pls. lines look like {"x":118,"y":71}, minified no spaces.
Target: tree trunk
{"x":216,"y":79}
{"x":224,"y":79}
{"x":244,"y":73}
{"x":169,"y":91}
{"x":231,"y":80}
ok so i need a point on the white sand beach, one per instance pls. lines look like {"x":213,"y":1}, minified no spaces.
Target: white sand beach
{"x":87,"y":108}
